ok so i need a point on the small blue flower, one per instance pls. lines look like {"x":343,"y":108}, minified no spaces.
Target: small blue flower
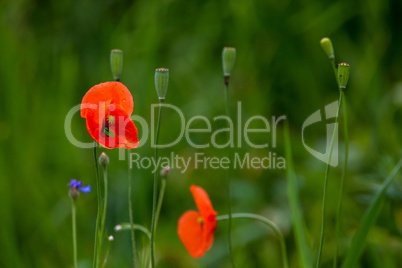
{"x":86,"y":189}
{"x":77,"y":185}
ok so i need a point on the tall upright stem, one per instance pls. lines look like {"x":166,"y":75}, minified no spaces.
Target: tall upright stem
{"x":130,"y":210}
{"x":98,"y":239}
{"x":267,"y":222}
{"x":74,"y":227}
{"x":324,"y":198}
{"x":229,"y":194}
{"x":341,"y":189}
{"x":335,"y":70}
{"x":105,"y":188}
{"x":155,"y":189}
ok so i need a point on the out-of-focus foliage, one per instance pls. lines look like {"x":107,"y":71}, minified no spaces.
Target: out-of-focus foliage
{"x":52,"y":52}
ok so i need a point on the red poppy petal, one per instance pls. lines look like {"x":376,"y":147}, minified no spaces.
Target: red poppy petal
{"x":202,"y":201}
{"x":190,"y":232}
{"x":131,"y":136}
{"x":114,"y":92}
{"x":124,"y":129}
{"x":94,"y":123}
{"x":120,"y":132}
{"x":209,"y":226}
{"x":208,"y":242}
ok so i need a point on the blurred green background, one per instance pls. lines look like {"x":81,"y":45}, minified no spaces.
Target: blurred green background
{"x":52,"y":52}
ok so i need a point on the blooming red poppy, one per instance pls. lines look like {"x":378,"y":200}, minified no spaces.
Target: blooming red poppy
{"x":107,"y":108}
{"x":196,"y":228}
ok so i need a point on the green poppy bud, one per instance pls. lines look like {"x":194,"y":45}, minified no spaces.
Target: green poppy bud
{"x":103,"y":159}
{"x":343,"y":75}
{"x":116,"y":63}
{"x":228,"y":60}
{"x":161,"y":82}
{"x":326,"y":45}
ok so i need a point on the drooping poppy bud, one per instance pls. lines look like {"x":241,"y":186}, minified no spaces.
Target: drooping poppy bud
{"x":103,"y":159}
{"x":161,"y":82}
{"x":165,"y":172}
{"x":228,"y":60}
{"x":343,"y":75}
{"x":326,"y":45}
{"x":116,"y":63}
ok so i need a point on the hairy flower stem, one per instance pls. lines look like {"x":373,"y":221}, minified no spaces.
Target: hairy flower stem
{"x":267,"y":222}
{"x":153,"y":224}
{"x":227,"y":110}
{"x":74,"y":227}
{"x":324,"y":198}
{"x":98,"y":237}
{"x":341,"y":189}
{"x":130,"y":211}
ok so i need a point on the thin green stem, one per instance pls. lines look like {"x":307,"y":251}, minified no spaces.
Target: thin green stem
{"x":74,"y":225}
{"x":109,"y":245}
{"x":127,"y":226}
{"x":324,"y":198}
{"x":130,"y":211}
{"x":262,"y":219}
{"x":341,"y":190}
{"x":98,"y":241}
{"x":105,"y":189}
{"x":160,"y":201}
{"x":333,"y":64}
{"x":229,"y":194}
{"x":153,"y":224}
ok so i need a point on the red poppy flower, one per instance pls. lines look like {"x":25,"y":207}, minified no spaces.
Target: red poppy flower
{"x":107,"y":108}
{"x":196,"y":228}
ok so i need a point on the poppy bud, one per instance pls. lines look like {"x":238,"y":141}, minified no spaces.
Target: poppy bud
{"x":326,"y":45}
{"x":161,"y":82}
{"x":165,"y":172}
{"x":116,"y":63}
{"x":228,"y":60}
{"x":103,"y":159}
{"x":343,"y":75}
